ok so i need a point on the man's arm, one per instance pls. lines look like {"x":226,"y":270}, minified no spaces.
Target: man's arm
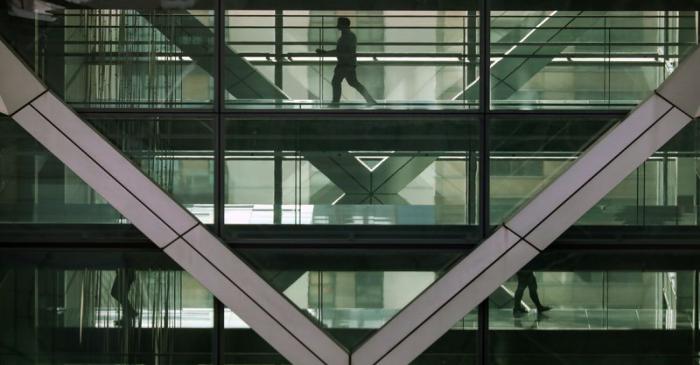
{"x":331,"y":52}
{"x":327,"y":52}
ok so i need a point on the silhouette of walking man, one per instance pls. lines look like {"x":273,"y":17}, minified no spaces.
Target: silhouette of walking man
{"x":346,"y":52}
{"x":526,"y":279}
{"x":120,"y":292}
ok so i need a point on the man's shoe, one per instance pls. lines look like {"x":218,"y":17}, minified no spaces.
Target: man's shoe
{"x":519,"y":311}
{"x":544,"y":308}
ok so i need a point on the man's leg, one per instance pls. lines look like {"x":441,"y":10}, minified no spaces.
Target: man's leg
{"x":532,"y":288}
{"x":120,"y":292}
{"x":337,"y":84}
{"x":519,"y":291}
{"x":354,"y":82}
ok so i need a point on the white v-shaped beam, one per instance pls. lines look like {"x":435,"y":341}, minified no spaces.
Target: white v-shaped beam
{"x":602,"y":167}
{"x":165,"y":222}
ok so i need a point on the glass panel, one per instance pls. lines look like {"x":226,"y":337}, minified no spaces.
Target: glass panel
{"x":243,"y":346}
{"x":388,"y":172}
{"x":101,"y":308}
{"x":35,"y":187}
{"x":527,"y":153}
{"x":661,"y":192}
{"x":593,"y":315}
{"x":103,"y":55}
{"x":288,"y":58}
{"x":457,"y":346}
{"x":177,"y":153}
{"x":349,"y":292}
{"x":584,"y":59}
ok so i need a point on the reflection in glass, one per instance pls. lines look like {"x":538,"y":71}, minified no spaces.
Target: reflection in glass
{"x":649,"y":316}
{"x":457,"y":346}
{"x":73,"y":309}
{"x":529,"y":153}
{"x":661,"y":192}
{"x":584,"y":59}
{"x":111,"y":57}
{"x":349,"y":292}
{"x":176,"y":153}
{"x":36,"y":187}
{"x":404,"y":58}
{"x":389,"y":172}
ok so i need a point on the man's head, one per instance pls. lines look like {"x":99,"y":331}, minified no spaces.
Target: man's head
{"x":343,"y":23}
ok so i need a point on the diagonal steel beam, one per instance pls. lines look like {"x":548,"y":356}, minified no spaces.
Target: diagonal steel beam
{"x":165,"y":222}
{"x":599,"y":169}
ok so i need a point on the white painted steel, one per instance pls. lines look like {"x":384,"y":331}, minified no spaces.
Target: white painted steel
{"x":18,"y":85}
{"x":104,"y":168}
{"x":261,"y":292}
{"x":590,"y":162}
{"x":594,"y":174}
{"x":260,"y":319}
{"x":681,"y":88}
{"x":3,"y":107}
{"x":594,"y":190}
{"x":456,"y":308}
{"x":108,"y":156}
{"x":435,"y":296}
{"x":95,"y":176}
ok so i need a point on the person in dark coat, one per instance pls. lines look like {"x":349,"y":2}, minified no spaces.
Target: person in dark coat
{"x":346,"y":52}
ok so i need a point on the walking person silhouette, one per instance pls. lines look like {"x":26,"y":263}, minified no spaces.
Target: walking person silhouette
{"x":526,"y":279}
{"x":346,"y":52}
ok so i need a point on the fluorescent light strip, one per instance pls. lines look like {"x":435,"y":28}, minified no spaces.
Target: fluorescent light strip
{"x":174,"y":58}
{"x":608,"y":59}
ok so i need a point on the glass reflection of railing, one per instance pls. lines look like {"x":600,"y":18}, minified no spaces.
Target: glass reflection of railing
{"x":577,"y":59}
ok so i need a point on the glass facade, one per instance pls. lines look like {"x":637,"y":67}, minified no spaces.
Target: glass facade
{"x":388,"y":172}
{"x":439,"y":50}
{"x":351,"y":167}
{"x":563,"y":59}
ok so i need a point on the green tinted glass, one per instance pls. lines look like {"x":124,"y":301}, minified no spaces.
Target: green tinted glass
{"x":87,"y":307}
{"x":389,"y":172}
{"x":584,"y":59}
{"x":349,"y":292}
{"x":413,"y":59}
{"x":579,"y":317}
{"x":107,"y":55}
{"x":528,"y":153}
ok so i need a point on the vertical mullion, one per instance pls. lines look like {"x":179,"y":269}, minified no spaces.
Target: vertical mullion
{"x":219,"y":167}
{"x":484,"y":107}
